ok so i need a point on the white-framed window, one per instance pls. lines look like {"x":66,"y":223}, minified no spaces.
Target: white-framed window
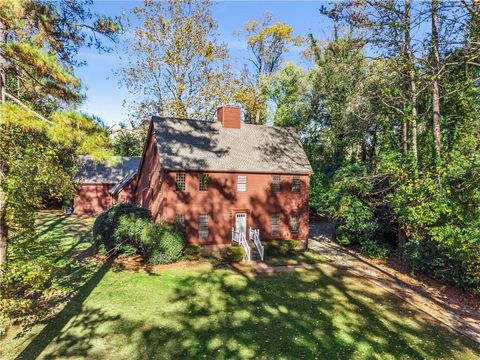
{"x":241,"y":183}
{"x":275,"y":224}
{"x":179,"y":220}
{"x":276,"y":183}
{"x":204,"y":179}
{"x":203,"y":226}
{"x":294,"y":223}
{"x":296,"y":183}
{"x":180,"y":181}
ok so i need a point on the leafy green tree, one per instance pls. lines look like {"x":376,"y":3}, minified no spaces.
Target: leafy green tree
{"x":38,"y":43}
{"x":129,"y":142}
{"x":175,"y":61}
{"x":36,"y":59}
{"x":267,"y":41}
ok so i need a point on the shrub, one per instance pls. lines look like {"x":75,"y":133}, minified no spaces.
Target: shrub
{"x":234,"y":254}
{"x":427,"y":256}
{"x":373,"y":249}
{"x":120,"y":224}
{"x":192,"y":252}
{"x":162,"y":243}
{"x":128,"y":233}
{"x":281,"y":247}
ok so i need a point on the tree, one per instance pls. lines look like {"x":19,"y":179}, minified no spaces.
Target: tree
{"x":129,"y":142}
{"x":423,"y":186}
{"x":435,"y":82}
{"x":268,"y":42}
{"x":38,"y":41}
{"x":37,"y":57}
{"x":38,"y":159}
{"x":175,"y":61}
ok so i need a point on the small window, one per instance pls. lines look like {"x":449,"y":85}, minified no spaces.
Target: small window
{"x":180,"y":181}
{"x":296,"y":184}
{"x":242,"y":183}
{"x":276,"y":183}
{"x":275,"y":224}
{"x":204,"y":179}
{"x":203,"y":226}
{"x":294,"y":223}
{"x":179,"y":220}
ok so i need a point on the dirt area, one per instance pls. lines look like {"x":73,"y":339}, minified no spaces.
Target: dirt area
{"x":136,"y":263}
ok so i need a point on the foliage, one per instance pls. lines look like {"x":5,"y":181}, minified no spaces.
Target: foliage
{"x":234,"y":254}
{"x":192,"y":252}
{"x":162,"y":243}
{"x":267,"y":41}
{"x":427,"y":256}
{"x":182,"y":73}
{"x":41,"y":271}
{"x":39,"y":55}
{"x":38,"y":160}
{"x":128,"y":143}
{"x":366,"y":126}
{"x":121,"y":224}
{"x":281,"y":247}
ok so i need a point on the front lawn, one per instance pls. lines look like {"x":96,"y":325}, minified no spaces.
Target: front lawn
{"x":193,"y":313}
{"x":298,"y":257}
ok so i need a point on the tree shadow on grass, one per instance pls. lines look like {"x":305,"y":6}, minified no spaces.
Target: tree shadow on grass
{"x":293,"y":315}
{"x":323,"y":313}
{"x":72,"y":308}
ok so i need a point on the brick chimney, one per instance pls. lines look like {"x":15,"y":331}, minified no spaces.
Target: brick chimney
{"x":229,"y":116}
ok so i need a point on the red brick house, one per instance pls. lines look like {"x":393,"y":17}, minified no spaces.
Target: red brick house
{"x":225,"y":180}
{"x":101,"y":184}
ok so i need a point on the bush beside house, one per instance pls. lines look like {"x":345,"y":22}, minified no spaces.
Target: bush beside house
{"x":128,"y":229}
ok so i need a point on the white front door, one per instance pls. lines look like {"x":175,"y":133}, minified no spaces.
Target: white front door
{"x":241,"y":223}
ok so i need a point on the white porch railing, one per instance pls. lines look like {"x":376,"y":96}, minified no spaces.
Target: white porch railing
{"x":235,"y":236}
{"x":242,"y":241}
{"x":255,"y":237}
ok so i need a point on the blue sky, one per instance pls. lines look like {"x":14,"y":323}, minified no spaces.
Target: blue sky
{"x":106,"y":97}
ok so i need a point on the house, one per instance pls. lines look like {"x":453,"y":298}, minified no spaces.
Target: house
{"x":101,"y":184}
{"x":224,"y":178}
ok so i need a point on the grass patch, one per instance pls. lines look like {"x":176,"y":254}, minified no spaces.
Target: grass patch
{"x":298,"y":257}
{"x":195,"y":313}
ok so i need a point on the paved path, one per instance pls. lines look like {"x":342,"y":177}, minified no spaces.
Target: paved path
{"x":459,"y":318}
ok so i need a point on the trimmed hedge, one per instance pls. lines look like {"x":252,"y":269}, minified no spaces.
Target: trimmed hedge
{"x":234,"y":254}
{"x":119,"y":226}
{"x":162,"y":243}
{"x":192,"y":252}
{"x":128,"y":229}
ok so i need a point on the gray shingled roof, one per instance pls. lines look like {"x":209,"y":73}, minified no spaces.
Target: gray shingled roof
{"x":186,"y":144}
{"x":103,"y":172}
{"x":119,"y":186}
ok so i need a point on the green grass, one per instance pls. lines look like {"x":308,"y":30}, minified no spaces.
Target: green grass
{"x":325,"y":313}
{"x":295,"y":258}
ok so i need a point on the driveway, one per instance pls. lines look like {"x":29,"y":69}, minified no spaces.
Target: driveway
{"x":457,"y":316}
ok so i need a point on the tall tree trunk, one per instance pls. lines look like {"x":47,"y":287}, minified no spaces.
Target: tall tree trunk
{"x":3,"y":63}
{"x":412,"y":85}
{"x":435,"y":84}
{"x":3,"y":200}
{"x":3,"y":227}
{"x":413,"y":89}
